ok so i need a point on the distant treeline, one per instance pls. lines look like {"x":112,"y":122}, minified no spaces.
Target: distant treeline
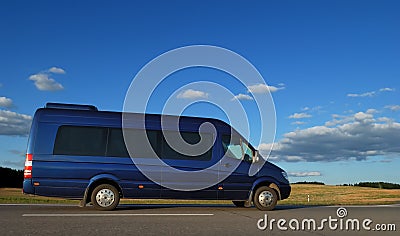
{"x":382,"y":185}
{"x":306,"y":182}
{"x":10,"y":178}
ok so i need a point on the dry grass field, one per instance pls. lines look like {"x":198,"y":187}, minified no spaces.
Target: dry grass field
{"x":318,"y":195}
{"x":340,"y":195}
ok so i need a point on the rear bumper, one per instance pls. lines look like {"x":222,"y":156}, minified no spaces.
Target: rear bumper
{"x":285,"y":191}
{"x":28,"y":187}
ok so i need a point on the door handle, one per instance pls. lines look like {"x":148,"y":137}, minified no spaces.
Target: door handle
{"x":227,"y":165}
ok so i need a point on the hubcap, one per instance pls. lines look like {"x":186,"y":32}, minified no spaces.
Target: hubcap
{"x":105,"y":197}
{"x":266,"y":198}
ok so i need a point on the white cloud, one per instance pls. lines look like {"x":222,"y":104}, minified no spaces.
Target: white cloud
{"x":371,"y":111}
{"x":304,"y":174}
{"x":363,"y":117}
{"x":312,"y":109}
{"x":192,"y":94}
{"x":300,"y":116}
{"x":12,"y":123}
{"x":6,"y":102}
{"x":44,"y":81}
{"x":386,"y":90}
{"x":367,"y":94}
{"x":263,"y":88}
{"x":298,"y":123}
{"x":241,"y":96}
{"x":266,"y":146}
{"x":371,"y":93}
{"x":337,"y":120}
{"x":385,"y":119}
{"x":354,"y":137}
{"x":56,"y":70}
{"x":393,"y":107}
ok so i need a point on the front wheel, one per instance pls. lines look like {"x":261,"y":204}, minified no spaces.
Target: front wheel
{"x":105,"y":197}
{"x":265,"y":198}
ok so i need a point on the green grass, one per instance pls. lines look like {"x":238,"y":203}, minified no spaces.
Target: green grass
{"x":15,"y":196}
{"x":318,"y":194}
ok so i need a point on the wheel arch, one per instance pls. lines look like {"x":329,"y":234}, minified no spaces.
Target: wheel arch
{"x":96,"y":181}
{"x":265,"y":181}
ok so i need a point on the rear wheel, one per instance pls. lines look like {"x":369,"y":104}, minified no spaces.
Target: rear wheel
{"x":265,"y":198}
{"x":105,"y":197}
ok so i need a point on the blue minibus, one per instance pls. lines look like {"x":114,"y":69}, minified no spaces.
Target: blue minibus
{"x":78,"y":152}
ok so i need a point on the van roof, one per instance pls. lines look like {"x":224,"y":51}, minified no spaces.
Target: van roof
{"x":71,"y":106}
{"x":89,"y":114}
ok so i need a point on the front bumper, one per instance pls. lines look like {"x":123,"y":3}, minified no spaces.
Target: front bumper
{"x":285,"y":190}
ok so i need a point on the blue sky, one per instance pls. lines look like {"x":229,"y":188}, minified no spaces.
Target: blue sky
{"x":336,"y":64}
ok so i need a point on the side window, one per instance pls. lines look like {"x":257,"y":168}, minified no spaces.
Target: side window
{"x":154,"y":138}
{"x":235,"y":148}
{"x":248,"y":152}
{"x":191,"y":138}
{"x":116,"y":144}
{"x":139,"y":145}
{"x":80,"y":141}
{"x":92,"y":141}
{"x":232,"y":146}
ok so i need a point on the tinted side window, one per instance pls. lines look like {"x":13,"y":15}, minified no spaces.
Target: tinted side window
{"x":92,"y":141}
{"x":155,"y":141}
{"x":81,"y":141}
{"x":138,"y":144}
{"x":116,"y":144}
{"x":191,"y":138}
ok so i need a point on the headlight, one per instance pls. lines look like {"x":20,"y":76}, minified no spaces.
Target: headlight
{"x":285,"y":175}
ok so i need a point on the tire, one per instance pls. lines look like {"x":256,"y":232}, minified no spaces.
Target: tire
{"x":265,"y":198}
{"x":238,"y":203}
{"x":105,"y":197}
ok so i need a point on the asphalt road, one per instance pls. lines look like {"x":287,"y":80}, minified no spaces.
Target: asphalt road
{"x":197,"y":220}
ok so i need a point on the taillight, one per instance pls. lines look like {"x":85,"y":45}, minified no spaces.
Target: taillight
{"x":28,"y":166}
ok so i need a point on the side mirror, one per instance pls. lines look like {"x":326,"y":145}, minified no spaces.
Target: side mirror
{"x":255,"y":157}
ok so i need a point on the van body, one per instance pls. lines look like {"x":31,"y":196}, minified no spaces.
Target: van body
{"x":78,"y":152}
